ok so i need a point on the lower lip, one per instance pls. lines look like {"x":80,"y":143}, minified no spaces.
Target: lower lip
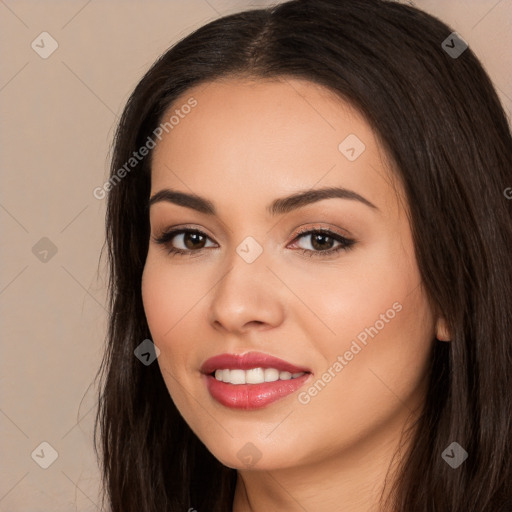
{"x":252,"y":396}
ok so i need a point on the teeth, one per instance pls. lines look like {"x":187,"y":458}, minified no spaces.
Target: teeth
{"x":254,"y":375}
{"x":271,"y":374}
{"x":237,"y":376}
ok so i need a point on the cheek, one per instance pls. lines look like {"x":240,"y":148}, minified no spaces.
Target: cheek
{"x":380,"y":381}
{"x":362,"y":297}
{"x":168,"y":294}
{"x":174,"y":298}
{"x":381,"y":325}
{"x":168,"y":308}
{"x":168,"y":305}
{"x":158,"y":300}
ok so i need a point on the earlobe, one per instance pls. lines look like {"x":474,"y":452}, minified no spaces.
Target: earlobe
{"x":442,"y":331}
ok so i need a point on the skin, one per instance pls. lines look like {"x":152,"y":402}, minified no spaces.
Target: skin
{"x":246,"y":143}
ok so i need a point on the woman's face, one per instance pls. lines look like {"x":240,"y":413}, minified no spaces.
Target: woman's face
{"x":344,"y":305}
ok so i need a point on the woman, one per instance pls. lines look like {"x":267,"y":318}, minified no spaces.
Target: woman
{"x":308,"y":217}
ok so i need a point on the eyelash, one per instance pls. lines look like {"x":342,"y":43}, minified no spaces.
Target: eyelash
{"x":345,"y":243}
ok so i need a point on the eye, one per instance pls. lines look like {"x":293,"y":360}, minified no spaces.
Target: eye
{"x":190,"y":240}
{"x":322,"y":242}
{"x":319,"y":242}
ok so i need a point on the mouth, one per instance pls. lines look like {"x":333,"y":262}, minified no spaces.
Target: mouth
{"x":238,"y":377}
{"x":251,"y":381}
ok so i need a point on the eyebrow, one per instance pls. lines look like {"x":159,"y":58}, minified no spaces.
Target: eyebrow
{"x":277,"y":207}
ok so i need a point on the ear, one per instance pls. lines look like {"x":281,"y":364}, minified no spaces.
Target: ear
{"x":442,"y":331}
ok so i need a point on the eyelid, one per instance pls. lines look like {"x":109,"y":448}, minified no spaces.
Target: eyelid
{"x":315,"y":227}
{"x":300,"y":231}
{"x":178,"y":229}
{"x":346,"y":242}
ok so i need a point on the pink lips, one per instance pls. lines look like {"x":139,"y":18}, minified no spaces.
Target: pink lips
{"x":248,"y":361}
{"x":250,"y":396}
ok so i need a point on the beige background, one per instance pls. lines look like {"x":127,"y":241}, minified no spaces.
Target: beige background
{"x":58,"y":115}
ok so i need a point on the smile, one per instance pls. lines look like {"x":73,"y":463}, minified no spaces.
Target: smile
{"x":254,"y":376}
{"x":251,"y":381}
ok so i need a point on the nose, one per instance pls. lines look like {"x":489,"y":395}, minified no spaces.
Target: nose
{"x":247,"y":297}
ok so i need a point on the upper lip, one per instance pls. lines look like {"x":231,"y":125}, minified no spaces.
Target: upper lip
{"x":248,"y":361}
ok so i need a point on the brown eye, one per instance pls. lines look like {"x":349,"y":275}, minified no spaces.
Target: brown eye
{"x":322,"y":242}
{"x":193,"y":240}
{"x":183,"y":241}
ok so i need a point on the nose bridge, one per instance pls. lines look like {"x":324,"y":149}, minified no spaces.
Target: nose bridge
{"x":246,"y":292}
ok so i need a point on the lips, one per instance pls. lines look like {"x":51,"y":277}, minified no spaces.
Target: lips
{"x":249,"y":361}
{"x":251,"y":396}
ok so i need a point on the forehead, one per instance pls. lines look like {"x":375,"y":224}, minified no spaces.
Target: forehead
{"x":256,"y":138}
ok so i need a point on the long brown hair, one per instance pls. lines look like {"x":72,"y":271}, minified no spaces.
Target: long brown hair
{"x":442,"y":125}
